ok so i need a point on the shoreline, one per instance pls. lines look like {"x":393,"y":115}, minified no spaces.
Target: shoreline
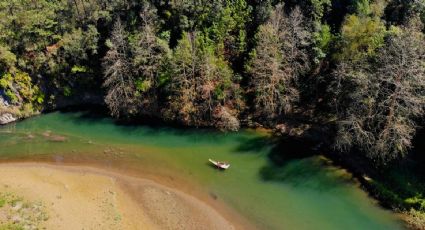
{"x":174,"y":181}
{"x":147,"y":202}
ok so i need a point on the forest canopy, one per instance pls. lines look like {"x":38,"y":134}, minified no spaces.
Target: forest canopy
{"x":359,"y":64}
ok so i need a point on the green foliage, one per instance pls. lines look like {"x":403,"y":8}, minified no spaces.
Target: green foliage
{"x":204,"y":53}
{"x":401,"y":188}
{"x":29,"y":24}
{"x":79,"y":69}
{"x":373,"y":8}
{"x":5,"y":81}
{"x":320,"y":31}
{"x":362,"y":33}
{"x":78,"y":43}
{"x":67,"y":91}
{"x":361,"y":36}
{"x":18,"y":88}
{"x":363,"y":7}
{"x":7,"y":59}
{"x":11,"y":96}
{"x":228,"y":26}
{"x":322,"y":39}
{"x":143,"y":85}
{"x":206,"y":63}
{"x":319,"y":8}
{"x":198,"y":75}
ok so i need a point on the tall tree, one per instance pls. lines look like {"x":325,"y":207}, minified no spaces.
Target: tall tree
{"x":362,"y":33}
{"x":280,"y":57}
{"x":151,"y":54}
{"x":383,"y":97}
{"x":200,"y":85}
{"x":118,"y":72}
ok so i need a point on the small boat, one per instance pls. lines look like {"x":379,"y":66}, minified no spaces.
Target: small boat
{"x":221,"y":165}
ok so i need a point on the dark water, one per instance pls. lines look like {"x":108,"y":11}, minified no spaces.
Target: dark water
{"x":303,"y":194}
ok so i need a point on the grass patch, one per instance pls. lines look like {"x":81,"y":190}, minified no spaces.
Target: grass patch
{"x":11,"y":227}
{"x":2,"y":202}
{"x":30,"y":215}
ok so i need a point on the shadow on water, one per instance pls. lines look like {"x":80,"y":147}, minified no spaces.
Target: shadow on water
{"x":296,"y":162}
{"x":152,"y":125}
{"x":291,"y":160}
{"x":255,"y":144}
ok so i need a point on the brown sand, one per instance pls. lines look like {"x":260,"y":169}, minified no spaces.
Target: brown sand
{"x":87,"y":198}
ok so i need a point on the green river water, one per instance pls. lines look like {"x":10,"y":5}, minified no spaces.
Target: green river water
{"x":303,"y":194}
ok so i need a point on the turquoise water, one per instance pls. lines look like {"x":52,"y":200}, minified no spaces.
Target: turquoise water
{"x":304,"y":193}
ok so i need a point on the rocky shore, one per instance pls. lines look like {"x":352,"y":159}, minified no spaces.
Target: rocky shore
{"x":6,"y":118}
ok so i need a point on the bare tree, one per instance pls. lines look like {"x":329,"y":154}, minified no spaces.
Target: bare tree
{"x":268,"y":75}
{"x":383,"y":99}
{"x":296,"y":38}
{"x":118,"y":73}
{"x":280,"y":57}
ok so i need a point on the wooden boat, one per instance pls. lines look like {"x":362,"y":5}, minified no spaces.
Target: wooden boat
{"x":221,"y":165}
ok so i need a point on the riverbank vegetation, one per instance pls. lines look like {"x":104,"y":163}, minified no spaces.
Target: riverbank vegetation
{"x":356,"y":67}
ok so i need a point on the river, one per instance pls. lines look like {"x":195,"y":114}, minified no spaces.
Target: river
{"x":306,"y":193}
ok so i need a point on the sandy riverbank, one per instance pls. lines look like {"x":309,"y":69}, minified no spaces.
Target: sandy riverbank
{"x":77,"y":197}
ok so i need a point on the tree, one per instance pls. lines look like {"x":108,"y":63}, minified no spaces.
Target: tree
{"x":279,"y":58}
{"x":79,"y":43}
{"x":321,"y":33}
{"x":268,"y":76}
{"x":182,"y":86}
{"x":383,"y":97}
{"x":151,"y":54}
{"x":362,"y":33}
{"x":201,"y":83}
{"x":7,"y":59}
{"x":118,"y":72}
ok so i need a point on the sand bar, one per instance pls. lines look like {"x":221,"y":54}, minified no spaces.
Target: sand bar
{"x":77,"y":197}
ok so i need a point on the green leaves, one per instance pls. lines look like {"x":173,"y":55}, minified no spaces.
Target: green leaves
{"x":79,"y":69}
{"x":7,"y":59}
{"x":79,"y":43}
{"x":19,"y":89}
{"x":143,"y":85}
{"x":360,"y":37}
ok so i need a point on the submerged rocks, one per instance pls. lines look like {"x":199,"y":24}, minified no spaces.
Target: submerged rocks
{"x":53,"y":137}
{"x":57,"y":138}
{"x":6,"y":118}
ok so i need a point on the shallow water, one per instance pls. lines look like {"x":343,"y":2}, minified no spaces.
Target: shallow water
{"x":305,"y":193}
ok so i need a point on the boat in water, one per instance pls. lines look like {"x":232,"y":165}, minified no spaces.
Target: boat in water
{"x":221,"y":165}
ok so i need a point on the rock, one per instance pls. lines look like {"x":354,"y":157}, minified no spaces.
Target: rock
{"x":6,"y":118}
{"x":281,"y":129}
{"x":57,"y":138}
{"x":47,"y":133}
{"x":3,"y":102}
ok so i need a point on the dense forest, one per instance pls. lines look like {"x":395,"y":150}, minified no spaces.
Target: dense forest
{"x":356,"y":65}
